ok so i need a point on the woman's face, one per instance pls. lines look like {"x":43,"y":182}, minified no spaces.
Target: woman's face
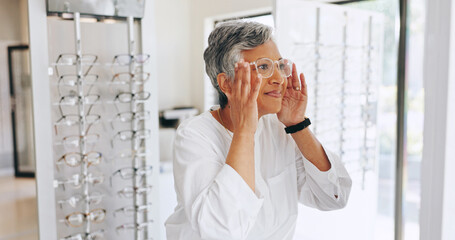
{"x":272,"y":88}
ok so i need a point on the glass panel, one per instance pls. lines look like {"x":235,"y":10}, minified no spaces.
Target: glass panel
{"x":349,"y":55}
{"x":415,"y":116}
{"x":23,"y":122}
{"x":384,"y":228}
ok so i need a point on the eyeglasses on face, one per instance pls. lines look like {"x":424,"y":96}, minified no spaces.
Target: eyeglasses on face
{"x":129,"y":192}
{"x":74,"y":159}
{"x":266,"y":67}
{"x":126,"y":59}
{"x":97,"y":235}
{"x":76,"y":219}
{"x":74,"y":201}
{"x":130,"y":210}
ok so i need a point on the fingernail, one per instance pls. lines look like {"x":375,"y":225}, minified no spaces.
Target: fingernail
{"x":236,"y":65}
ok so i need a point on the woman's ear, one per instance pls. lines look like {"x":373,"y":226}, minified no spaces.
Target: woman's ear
{"x":224,"y":83}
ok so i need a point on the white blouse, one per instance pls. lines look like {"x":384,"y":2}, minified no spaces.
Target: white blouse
{"x":214,"y":202}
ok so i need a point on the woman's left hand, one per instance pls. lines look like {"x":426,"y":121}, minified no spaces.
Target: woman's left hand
{"x":295,"y":100}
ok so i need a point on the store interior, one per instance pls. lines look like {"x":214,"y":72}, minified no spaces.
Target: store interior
{"x":132,"y":124}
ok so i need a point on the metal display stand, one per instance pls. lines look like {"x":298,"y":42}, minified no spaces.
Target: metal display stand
{"x":138,"y":170}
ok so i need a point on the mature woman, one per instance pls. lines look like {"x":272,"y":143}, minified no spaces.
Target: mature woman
{"x":240,"y":170}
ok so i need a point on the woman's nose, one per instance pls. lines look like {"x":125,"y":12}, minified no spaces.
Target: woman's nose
{"x":276,"y":77}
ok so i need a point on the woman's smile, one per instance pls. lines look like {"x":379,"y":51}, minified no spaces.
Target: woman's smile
{"x":274,"y":94}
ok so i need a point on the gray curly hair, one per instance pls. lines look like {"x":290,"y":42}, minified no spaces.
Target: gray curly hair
{"x":226,"y":42}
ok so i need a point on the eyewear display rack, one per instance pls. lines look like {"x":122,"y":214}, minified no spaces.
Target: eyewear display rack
{"x":98,"y":212}
{"x":138,"y":170}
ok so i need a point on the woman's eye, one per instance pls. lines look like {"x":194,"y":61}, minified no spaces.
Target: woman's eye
{"x":263,"y":66}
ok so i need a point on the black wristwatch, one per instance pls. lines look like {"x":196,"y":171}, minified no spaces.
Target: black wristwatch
{"x":299,"y":126}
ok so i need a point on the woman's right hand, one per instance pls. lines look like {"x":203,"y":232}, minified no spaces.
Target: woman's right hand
{"x":243,"y":98}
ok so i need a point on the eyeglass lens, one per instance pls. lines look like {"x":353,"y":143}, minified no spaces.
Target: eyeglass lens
{"x":266,"y":67}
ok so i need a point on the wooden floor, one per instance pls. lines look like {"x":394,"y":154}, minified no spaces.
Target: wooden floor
{"x":18,"y":214}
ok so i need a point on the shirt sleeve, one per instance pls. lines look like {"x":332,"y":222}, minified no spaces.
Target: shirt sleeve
{"x":218,"y":203}
{"x":327,"y":190}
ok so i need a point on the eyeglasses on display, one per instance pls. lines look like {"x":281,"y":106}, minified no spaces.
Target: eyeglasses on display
{"x":129,"y":172}
{"x":76,"y":219}
{"x":126,"y":59}
{"x":126,"y":97}
{"x":134,"y":226}
{"x":73,"y":119}
{"x":73,"y":142}
{"x":126,"y":78}
{"x":77,"y":180}
{"x":129,"y":192}
{"x":127,"y":135}
{"x":69,"y":59}
{"x":74,"y":201}
{"x":73,"y":100}
{"x":97,"y":235}
{"x":74,"y":159}
{"x":130,"y":210}
{"x":71,"y":80}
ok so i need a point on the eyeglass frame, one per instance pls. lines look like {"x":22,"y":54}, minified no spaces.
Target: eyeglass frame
{"x":97,"y":120}
{"x":136,"y":190}
{"x":83,"y":157}
{"x":66,"y":219}
{"x":132,"y":76}
{"x":79,"y":198}
{"x":77,"y":59}
{"x":84,"y":236}
{"x":134,"y":226}
{"x":147,"y":170}
{"x":148,"y":133}
{"x":141,"y":208}
{"x":274,"y":62}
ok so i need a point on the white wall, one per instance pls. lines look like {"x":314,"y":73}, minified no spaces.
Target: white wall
{"x":173,"y":49}
{"x":437,"y":213}
{"x":180,"y":46}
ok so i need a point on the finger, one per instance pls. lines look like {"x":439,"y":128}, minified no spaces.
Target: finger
{"x":303,"y":84}
{"x":295,"y":79}
{"x":246,"y":79}
{"x":237,"y":78}
{"x":256,"y":83}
